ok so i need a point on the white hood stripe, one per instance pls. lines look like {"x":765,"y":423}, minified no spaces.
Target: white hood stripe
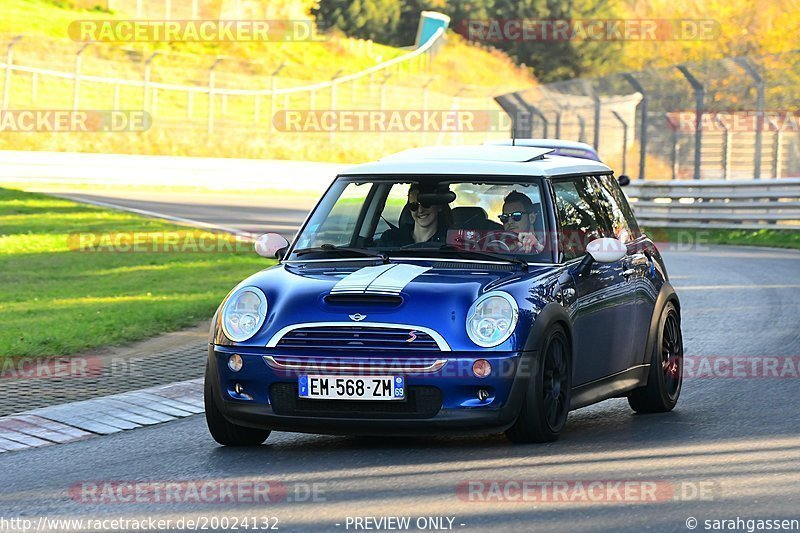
{"x":379,"y":279}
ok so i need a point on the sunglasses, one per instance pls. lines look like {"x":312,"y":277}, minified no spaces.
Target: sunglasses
{"x":516,"y":215}
{"x":414,"y":206}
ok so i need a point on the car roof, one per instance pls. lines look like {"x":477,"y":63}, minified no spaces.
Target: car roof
{"x":479,"y":160}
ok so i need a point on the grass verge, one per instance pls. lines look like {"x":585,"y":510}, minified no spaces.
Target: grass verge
{"x":57,"y":301}
{"x":700,"y":236}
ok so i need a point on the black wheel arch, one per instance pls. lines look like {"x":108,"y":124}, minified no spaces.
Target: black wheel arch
{"x":666,"y":295}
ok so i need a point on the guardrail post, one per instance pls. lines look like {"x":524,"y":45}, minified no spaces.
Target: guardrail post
{"x":77,"y":73}
{"x":643,"y":124}
{"x":699,"y":95}
{"x":624,"y":139}
{"x":760,"y":88}
{"x":211,"y":81}
{"x":146,"y":88}
{"x":273,"y":88}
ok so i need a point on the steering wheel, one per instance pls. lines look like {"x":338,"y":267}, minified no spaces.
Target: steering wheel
{"x":499,"y":241}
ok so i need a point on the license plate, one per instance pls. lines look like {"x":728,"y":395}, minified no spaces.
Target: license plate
{"x":352,"y":387}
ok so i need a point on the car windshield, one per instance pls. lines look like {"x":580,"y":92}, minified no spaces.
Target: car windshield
{"x":465,"y":217}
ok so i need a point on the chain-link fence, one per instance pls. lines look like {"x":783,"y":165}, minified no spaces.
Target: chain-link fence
{"x":219,"y":99}
{"x":725,"y":119}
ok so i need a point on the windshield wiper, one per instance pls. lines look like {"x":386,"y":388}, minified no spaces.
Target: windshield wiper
{"x":327,"y":248}
{"x":466,"y":254}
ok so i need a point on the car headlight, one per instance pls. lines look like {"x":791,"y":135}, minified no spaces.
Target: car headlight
{"x":244,"y":313}
{"x":492,"y":319}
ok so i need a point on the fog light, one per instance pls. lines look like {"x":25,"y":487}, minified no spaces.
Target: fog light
{"x":238,"y":389}
{"x":235,"y":362}
{"x":481,"y":368}
{"x":483,"y":394}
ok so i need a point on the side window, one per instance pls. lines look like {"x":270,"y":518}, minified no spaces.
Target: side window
{"x":577,"y":215}
{"x":623,"y":214}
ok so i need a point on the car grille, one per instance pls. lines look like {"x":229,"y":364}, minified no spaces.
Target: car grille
{"x":359,"y":338}
{"x":420,"y":402}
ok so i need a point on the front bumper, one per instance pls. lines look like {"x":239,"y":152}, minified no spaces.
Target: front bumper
{"x":440,"y":401}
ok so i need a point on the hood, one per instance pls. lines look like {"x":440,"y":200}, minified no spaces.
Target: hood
{"x":435,"y":295}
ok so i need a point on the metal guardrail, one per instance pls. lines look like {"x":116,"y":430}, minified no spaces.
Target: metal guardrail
{"x":717,"y":204}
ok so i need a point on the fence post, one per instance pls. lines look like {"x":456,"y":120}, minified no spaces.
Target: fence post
{"x":596,"y":99}
{"x":147,"y":79}
{"x":77,"y":74}
{"x":581,"y":128}
{"x":533,"y":110}
{"x":643,"y":125}
{"x":211,"y":81}
{"x":760,"y":88}
{"x":116,"y":96}
{"x":726,"y":148}
{"x":273,"y":88}
{"x":34,"y":87}
{"x":624,"y":140}
{"x":333,"y":103}
{"x":675,"y":153}
{"x":189,"y":104}
{"x":777,"y":153}
{"x":382,"y":102}
{"x":699,"y":95}
{"x":194,"y":9}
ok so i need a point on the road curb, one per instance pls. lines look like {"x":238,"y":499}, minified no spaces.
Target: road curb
{"x":73,"y":421}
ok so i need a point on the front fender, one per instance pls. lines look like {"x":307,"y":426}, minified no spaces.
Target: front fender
{"x":666,"y":294}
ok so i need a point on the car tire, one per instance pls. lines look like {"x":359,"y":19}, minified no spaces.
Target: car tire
{"x":224,"y":432}
{"x":544,"y":410}
{"x":665,"y":377}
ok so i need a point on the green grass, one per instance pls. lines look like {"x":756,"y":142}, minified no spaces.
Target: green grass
{"x":763,"y":237}
{"x":56,"y":301}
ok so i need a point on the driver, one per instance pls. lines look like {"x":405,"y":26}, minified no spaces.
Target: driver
{"x":430,"y":223}
{"x":518,"y":216}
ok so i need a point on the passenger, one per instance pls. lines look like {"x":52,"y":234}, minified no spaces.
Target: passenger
{"x":519,"y":215}
{"x":430,"y":223}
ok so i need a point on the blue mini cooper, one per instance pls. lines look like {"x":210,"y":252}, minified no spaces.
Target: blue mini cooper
{"x":449,"y":289}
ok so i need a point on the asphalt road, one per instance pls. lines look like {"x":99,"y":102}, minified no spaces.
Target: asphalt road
{"x":730,"y":450}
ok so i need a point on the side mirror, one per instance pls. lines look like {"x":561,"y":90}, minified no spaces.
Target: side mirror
{"x":605,"y":250}
{"x":623,"y":180}
{"x":271,"y":246}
